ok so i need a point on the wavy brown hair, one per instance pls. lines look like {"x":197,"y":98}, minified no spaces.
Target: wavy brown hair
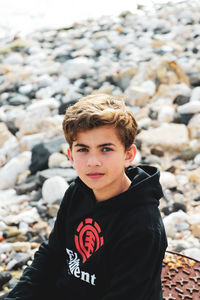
{"x":98,"y":110}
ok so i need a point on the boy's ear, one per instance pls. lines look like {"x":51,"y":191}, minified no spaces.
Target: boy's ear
{"x":69,"y":154}
{"x":130,"y":155}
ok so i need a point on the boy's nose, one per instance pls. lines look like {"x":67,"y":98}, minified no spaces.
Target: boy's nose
{"x":93,"y":161}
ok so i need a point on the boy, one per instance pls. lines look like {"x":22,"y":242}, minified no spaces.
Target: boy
{"x":108,"y":240}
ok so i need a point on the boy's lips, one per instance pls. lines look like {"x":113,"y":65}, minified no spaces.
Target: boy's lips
{"x":95,"y":175}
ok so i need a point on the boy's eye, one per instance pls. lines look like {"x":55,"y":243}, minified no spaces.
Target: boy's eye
{"x":82,"y":150}
{"x":106,"y":149}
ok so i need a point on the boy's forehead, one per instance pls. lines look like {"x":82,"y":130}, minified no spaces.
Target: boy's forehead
{"x":97,"y":135}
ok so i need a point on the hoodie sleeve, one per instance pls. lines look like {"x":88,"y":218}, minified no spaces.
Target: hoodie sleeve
{"x":135,"y":261}
{"x":39,"y":276}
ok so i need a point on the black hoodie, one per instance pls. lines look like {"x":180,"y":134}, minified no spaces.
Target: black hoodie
{"x":102,"y":250}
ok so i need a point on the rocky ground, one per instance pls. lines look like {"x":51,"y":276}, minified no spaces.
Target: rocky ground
{"x":152,"y":60}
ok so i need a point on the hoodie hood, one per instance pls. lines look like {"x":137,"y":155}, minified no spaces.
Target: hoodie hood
{"x":145,"y":189}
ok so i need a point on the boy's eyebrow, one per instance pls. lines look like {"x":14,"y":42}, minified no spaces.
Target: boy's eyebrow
{"x":99,"y":146}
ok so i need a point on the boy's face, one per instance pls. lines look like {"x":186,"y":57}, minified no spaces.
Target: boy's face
{"x":100,"y":160}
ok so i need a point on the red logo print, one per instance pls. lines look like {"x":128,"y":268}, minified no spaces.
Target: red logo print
{"x":87,"y":239}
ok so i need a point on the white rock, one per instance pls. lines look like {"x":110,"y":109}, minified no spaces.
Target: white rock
{"x":27,"y":142}
{"x":9,"y":146}
{"x":194,"y":126}
{"x":168,"y":180}
{"x":13,"y":59}
{"x":149,"y":86}
{"x":24,"y":227}
{"x":53,"y":189}
{"x":5,"y":247}
{"x":29,"y":216}
{"x":3,"y":226}
{"x":21,"y":246}
{"x":140,"y":95}
{"x":51,"y":126}
{"x":2,"y":159}
{"x":101,"y":44}
{"x":167,"y":136}
{"x":192,"y":252}
{"x":181,"y":179}
{"x":10,"y":172}
{"x":6,"y":195}
{"x":193,"y":218}
{"x":172,"y":91}
{"x":51,"y":103}
{"x":197,"y":159}
{"x":171,"y":222}
{"x":26,"y":89}
{"x":166,"y":114}
{"x":189,"y":108}
{"x":195,"y":94}
{"x":58,"y":160}
{"x":77,"y":67}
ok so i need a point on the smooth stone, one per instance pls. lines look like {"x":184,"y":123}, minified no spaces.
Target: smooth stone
{"x":195,"y":96}
{"x":5,"y":247}
{"x":192,"y":107}
{"x":77,"y":67}
{"x":152,"y":159}
{"x":3,"y":226}
{"x":27,"y":142}
{"x":194,"y":176}
{"x":140,"y":95}
{"x":173,"y":207}
{"x":157,"y":152}
{"x":57,"y":159}
{"x":194,"y":79}
{"x":166,"y":114}
{"x":54,"y":189}
{"x":181,"y":99}
{"x":9,"y":146}
{"x":181,"y":245}
{"x":168,"y":180}
{"x":5,"y":134}
{"x":18,"y":260}
{"x":189,"y":154}
{"x":68,"y":174}
{"x":16,"y":166}
{"x":11,"y":231}
{"x":197,"y":159}
{"x":167,"y":136}
{"x":18,"y":99}
{"x":41,"y":153}
{"x":101,"y":44}
{"x":51,"y":103}
{"x":31,"y":122}
{"x":195,"y":228}
{"x":52,"y":210}
{"x":29,"y":216}
{"x":194,"y":126}
{"x":171,"y":222}
{"x":26,"y":89}
{"x":175,"y":90}
{"x":192,"y":252}
{"x":183,"y":118}
{"x":27,"y":187}
{"x":14,"y":59}
{"x":21,"y":246}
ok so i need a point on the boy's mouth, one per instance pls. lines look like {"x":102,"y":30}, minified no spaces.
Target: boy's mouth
{"x":95,"y":175}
